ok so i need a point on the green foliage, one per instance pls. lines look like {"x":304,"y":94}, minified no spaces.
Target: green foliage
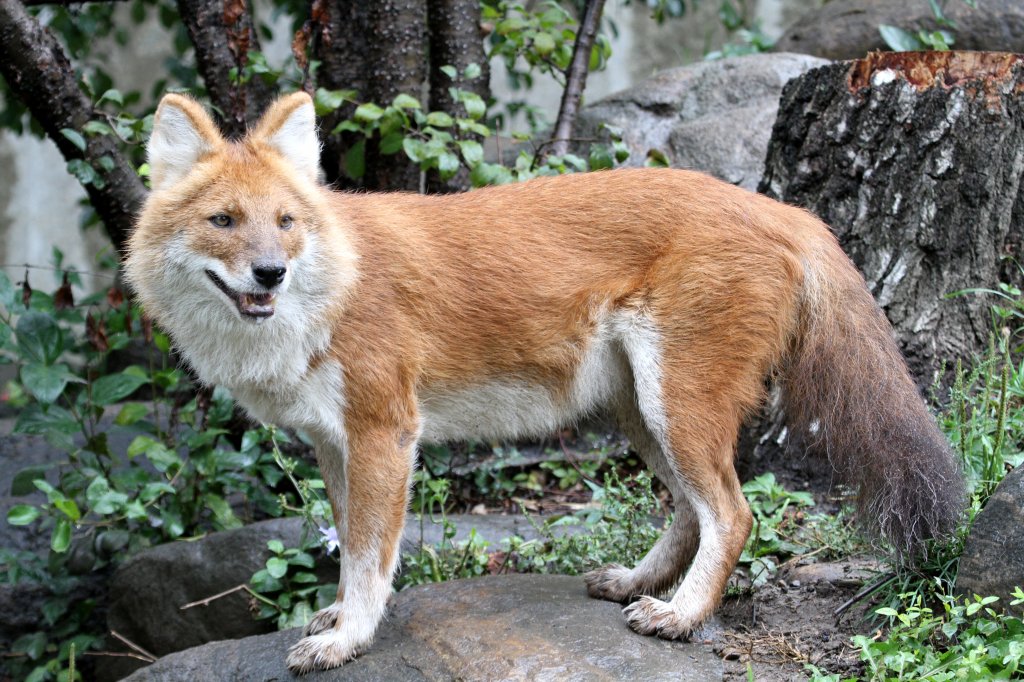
{"x":902,"y":40}
{"x":287,"y":589}
{"x":620,"y":528}
{"x":173,"y":476}
{"x":773,"y":508}
{"x":966,"y":640}
{"x":752,"y":39}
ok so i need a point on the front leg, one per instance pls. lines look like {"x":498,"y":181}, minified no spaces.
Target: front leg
{"x":367,"y":481}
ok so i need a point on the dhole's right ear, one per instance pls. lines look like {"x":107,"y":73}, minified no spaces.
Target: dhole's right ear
{"x":182,"y":133}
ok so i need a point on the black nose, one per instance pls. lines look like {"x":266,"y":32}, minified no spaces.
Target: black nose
{"x":269,"y":274}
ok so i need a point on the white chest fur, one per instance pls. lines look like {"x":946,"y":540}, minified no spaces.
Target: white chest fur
{"x":315,"y":403}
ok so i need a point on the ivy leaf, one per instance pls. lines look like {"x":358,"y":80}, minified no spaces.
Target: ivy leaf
{"x":368,"y":113}
{"x":404,"y":101}
{"x":22,"y":514}
{"x":898,"y":39}
{"x":60,"y":540}
{"x":74,"y":137}
{"x":277,"y":567}
{"x":355,"y":160}
{"x":113,"y":387}
{"x":46,"y":382}
{"x":39,"y":338}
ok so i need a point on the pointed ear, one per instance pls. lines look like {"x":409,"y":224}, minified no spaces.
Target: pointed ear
{"x":289,"y":127}
{"x":182,"y":133}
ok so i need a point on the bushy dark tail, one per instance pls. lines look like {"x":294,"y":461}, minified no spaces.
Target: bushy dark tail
{"x":847,"y":392}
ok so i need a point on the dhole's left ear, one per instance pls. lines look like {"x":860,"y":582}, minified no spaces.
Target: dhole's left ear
{"x":289,"y":126}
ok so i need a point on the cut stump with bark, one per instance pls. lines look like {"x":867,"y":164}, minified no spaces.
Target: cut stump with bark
{"x":915,"y":160}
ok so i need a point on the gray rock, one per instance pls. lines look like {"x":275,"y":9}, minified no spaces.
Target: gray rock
{"x":848,"y":29}
{"x":993,"y":558}
{"x":149,"y":589}
{"x":712,"y":116}
{"x":495,"y":628}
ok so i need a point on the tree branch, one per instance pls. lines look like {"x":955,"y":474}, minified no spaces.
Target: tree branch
{"x":223,"y":34}
{"x":576,"y":79}
{"x":39,"y":73}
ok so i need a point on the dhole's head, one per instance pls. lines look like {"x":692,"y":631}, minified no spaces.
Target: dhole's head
{"x":236,"y":239}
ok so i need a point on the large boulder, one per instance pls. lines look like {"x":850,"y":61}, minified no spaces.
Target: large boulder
{"x":495,"y":628}
{"x":713,"y":116}
{"x":848,"y":29}
{"x":993,"y":558}
{"x":149,"y":589}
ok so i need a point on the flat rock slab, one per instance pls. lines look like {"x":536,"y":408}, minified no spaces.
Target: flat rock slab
{"x":516,"y":627}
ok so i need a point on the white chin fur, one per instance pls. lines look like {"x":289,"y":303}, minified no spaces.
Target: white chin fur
{"x":225,"y":347}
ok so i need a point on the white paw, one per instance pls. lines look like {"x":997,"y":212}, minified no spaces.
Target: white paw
{"x":650,"y":616}
{"x":609,"y":582}
{"x":323,"y":620}
{"x":322,"y":652}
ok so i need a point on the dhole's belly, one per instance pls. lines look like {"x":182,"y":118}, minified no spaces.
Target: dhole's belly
{"x":515,"y":408}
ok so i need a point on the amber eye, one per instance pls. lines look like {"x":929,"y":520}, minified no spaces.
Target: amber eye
{"x":222,"y":220}
{"x":285,"y":222}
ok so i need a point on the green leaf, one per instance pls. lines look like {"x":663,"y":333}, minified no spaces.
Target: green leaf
{"x":414,"y":149}
{"x":368,"y":113}
{"x":325,"y":101}
{"x":355,"y":160}
{"x":74,"y":137}
{"x":60,"y":540}
{"x":39,"y":337}
{"x":544,"y":44}
{"x":46,"y":382}
{"x":22,"y":514}
{"x":391,"y":143}
{"x":439,"y":119}
{"x":277,"y":567}
{"x":6,"y":291}
{"x":113,"y":387}
{"x":899,"y":40}
{"x":656,"y":159}
{"x":22,"y":484}
{"x":450,"y":71}
{"x":472,"y":71}
{"x":472,"y":152}
{"x":96,"y":128}
{"x":68,"y":507}
{"x":131,"y":413}
{"x":33,"y":420}
{"x":112,"y":95}
{"x":275,"y":546}
{"x":448,"y":165}
{"x":404,"y":101}
{"x":475,"y":105}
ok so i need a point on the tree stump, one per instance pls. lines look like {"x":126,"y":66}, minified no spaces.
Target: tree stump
{"x":915,"y":161}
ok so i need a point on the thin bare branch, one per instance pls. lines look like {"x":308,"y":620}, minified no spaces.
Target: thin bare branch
{"x":133,"y":646}
{"x":576,"y":79}
{"x":38,"y":72}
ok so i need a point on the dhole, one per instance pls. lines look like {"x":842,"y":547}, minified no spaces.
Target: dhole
{"x":376,"y":321}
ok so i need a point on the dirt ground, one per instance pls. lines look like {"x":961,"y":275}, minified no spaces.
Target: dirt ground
{"x":790,"y":622}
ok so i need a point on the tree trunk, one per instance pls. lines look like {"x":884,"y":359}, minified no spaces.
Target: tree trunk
{"x":396,"y":50}
{"x":455,"y":40}
{"x":915,"y":161}
{"x":38,"y":71}
{"x":222,"y":32}
{"x":341,"y":47}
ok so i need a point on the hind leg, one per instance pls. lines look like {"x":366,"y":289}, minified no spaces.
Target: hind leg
{"x":675,"y":549}
{"x":693,"y":409}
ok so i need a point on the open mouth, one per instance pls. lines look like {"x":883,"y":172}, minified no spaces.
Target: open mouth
{"x":249,"y":305}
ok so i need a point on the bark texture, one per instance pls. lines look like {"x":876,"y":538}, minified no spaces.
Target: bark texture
{"x":38,"y":72}
{"x":396,"y":45}
{"x":455,"y":40}
{"x":915,"y":161}
{"x":223,"y":33}
{"x":342,"y":32}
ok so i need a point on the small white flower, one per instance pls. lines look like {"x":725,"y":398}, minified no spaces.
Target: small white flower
{"x":329,"y":537}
